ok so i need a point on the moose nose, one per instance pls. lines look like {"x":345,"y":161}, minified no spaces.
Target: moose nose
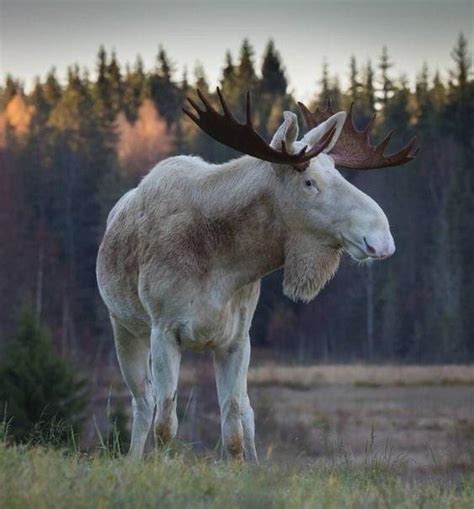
{"x":379,"y":246}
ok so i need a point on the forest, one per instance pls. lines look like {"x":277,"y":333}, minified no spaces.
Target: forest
{"x":70,"y":148}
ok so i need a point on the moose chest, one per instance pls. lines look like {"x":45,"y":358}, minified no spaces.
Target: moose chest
{"x":211,"y":325}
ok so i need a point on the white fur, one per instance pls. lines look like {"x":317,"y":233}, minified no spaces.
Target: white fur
{"x":182,"y":257}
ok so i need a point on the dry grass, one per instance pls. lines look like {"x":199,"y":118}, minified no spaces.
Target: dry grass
{"x":307,"y":377}
{"x":43,"y":478}
{"x":360,"y":375}
{"x":309,"y":413}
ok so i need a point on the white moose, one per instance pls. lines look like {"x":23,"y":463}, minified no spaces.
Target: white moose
{"x":183,"y":254}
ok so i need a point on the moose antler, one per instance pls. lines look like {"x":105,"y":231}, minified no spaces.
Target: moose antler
{"x":243,"y":137}
{"x":353,"y":148}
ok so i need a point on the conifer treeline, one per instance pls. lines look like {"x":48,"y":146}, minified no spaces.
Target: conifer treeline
{"x":69,"y":150}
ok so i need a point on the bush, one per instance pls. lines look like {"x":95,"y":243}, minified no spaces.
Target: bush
{"x":42,"y":395}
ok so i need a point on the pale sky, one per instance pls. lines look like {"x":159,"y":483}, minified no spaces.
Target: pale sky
{"x":37,"y":35}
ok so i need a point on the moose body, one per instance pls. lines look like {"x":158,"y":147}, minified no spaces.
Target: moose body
{"x":183,"y":254}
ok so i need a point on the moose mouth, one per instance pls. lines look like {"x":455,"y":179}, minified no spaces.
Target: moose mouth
{"x":360,"y":251}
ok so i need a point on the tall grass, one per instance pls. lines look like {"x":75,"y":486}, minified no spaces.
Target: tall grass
{"x":40,"y":477}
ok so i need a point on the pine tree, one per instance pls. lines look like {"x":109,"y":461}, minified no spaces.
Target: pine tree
{"x":396,"y":112}
{"x":273,"y":79}
{"x":386,"y":88}
{"x":200,"y":80}
{"x":165,"y":68}
{"x":463,"y":61}
{"x":336,"y":94}
{"x":229,"y":85}
{"x":11,"y":88}
{"x":354,"y":84}
{"x":367,"y":103}
{"x":426,"y":111}
{"x":41,"y":393}
{"x":163,"y":91}
{"x":246,"y":76}
{"x":114,"y":77}
{"x":438,"y":92}
{"x":52,"y":88}
{"x":135,"y":87}
{"x":102,"y":89}
{"x":325,"y":93}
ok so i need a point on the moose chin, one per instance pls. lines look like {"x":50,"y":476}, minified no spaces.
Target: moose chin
{"x":183,"y":254}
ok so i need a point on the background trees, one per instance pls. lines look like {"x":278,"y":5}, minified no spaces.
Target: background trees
{"x":69,"y":150}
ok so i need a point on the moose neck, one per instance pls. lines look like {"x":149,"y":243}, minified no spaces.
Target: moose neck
{"x":260,"y":242}
{"x":244,"y":217}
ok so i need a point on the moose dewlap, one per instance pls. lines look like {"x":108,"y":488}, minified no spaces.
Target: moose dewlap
{"x":183,"y":254}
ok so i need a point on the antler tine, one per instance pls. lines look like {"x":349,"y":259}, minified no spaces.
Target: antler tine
{"x":370,"y":124}
{"x":380,"y":148}
{"x":407,"y":153}
{"x":194,"y":105}
{"x":225,"y":108}
{"x":243,"y":137}
{"x":191,"y":115}
{"x":203,"y":98}
{"x":353,"y":149}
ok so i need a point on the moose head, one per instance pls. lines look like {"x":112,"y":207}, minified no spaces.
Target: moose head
{"x":322,"y":210}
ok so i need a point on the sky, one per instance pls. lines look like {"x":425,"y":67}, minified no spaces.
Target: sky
{"x":36,"y":35}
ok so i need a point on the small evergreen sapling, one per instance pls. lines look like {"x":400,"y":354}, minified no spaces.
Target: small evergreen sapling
{"x":43,"y":397}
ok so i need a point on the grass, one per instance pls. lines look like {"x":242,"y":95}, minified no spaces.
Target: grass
{"x":359,"y":375}
{"x":40,"y":477}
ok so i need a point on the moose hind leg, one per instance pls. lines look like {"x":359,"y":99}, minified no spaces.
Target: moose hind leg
{"x":166,"y":359}
{"x":133,"y":355}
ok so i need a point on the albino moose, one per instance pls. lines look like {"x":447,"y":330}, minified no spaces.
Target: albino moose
{"x":183,"y":254}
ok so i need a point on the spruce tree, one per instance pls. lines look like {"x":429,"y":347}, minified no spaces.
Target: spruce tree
{"x":200,"y":79}
{"x":386,"y":85}
{"x":354,"y":84}
{"x":228,"y":80}
{"x":135,"y":87}
{"x":246,"y":76}
{"x":463,"y":61}
{"x":102,"y":89}
{"x":367,"y":94}
{"x":273,"y":79}
{"x":11,"y":88}
{"x":163,"y":91}
{"x":325,"y":93}
{"x":42,"y":394}
{"x":115,"y":86}
{"x":52,"y":88}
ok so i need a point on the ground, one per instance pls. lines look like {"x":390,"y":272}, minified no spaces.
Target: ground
{"x":421,"y":416}
{"x":47,"y":478}
{"x":328,"y":436}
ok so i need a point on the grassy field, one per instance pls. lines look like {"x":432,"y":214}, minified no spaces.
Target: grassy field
{"x":328,"y":436}
{"x":47,"y":478}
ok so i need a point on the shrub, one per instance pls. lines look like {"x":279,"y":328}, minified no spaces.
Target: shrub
{"x":41,"y":393}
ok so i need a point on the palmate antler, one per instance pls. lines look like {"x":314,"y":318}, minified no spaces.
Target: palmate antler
{"x":353,"y":149}
{"x":243,"y":137}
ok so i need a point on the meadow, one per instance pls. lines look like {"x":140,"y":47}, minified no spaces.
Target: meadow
{"x":46,"y":478}
{"x":328,"y":436}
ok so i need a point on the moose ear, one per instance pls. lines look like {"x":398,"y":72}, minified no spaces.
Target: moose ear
{"x":313,"y":136}
{"x":287,"y":132}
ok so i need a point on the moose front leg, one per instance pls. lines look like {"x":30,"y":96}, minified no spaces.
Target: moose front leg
{"x":237,"y":419}
{"x":165,"y":358}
